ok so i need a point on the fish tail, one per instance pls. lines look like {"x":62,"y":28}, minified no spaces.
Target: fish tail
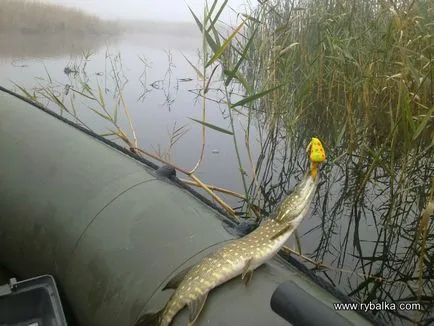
{"x":151,"y":319}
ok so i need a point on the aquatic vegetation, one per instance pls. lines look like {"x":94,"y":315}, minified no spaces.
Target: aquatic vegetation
{"x":360,"y":75}
{"x":357,"y":74}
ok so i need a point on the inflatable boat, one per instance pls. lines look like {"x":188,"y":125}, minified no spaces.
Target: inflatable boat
{"x":111,"y":228}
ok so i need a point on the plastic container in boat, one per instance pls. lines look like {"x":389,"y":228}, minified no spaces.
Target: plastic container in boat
{"x":32,"y":302}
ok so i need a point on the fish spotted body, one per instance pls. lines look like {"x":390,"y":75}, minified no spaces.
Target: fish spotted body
{"x":239,"y":257}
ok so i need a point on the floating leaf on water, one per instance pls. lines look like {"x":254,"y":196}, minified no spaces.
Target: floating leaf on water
{"x":183,"y":80}
{"x":69,"y":71}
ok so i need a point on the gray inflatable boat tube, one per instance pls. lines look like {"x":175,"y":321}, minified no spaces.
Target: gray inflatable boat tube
{"x":113,"y":232}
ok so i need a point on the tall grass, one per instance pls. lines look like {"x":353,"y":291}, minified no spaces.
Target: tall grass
{"x":358,"y":74}
{"x":21,"y":16}
{"x":364,"y":65}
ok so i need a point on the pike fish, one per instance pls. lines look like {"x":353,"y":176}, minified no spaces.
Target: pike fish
{"x":239,"y":257}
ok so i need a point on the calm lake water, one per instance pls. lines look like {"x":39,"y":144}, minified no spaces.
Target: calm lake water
{"x":160,"y":94}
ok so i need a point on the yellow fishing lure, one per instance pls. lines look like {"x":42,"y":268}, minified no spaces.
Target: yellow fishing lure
{"x":317,"y":154}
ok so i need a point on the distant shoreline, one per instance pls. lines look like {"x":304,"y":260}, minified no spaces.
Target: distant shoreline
{"x":35,"y":29}
{"x":18,"y":16}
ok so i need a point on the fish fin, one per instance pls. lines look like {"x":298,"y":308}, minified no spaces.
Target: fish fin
{"x":151,"y":319}
{"x":281,"y":232}
{"x":247,"y":272}
{"x":247,"y":277}
{"x":195,"y":307}
{"x":174,"y":281}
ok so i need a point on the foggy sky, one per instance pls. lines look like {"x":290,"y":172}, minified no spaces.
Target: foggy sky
{"x":166,"y":10}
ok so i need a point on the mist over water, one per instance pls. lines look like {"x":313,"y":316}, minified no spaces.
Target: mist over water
{"x":160,"y":91}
